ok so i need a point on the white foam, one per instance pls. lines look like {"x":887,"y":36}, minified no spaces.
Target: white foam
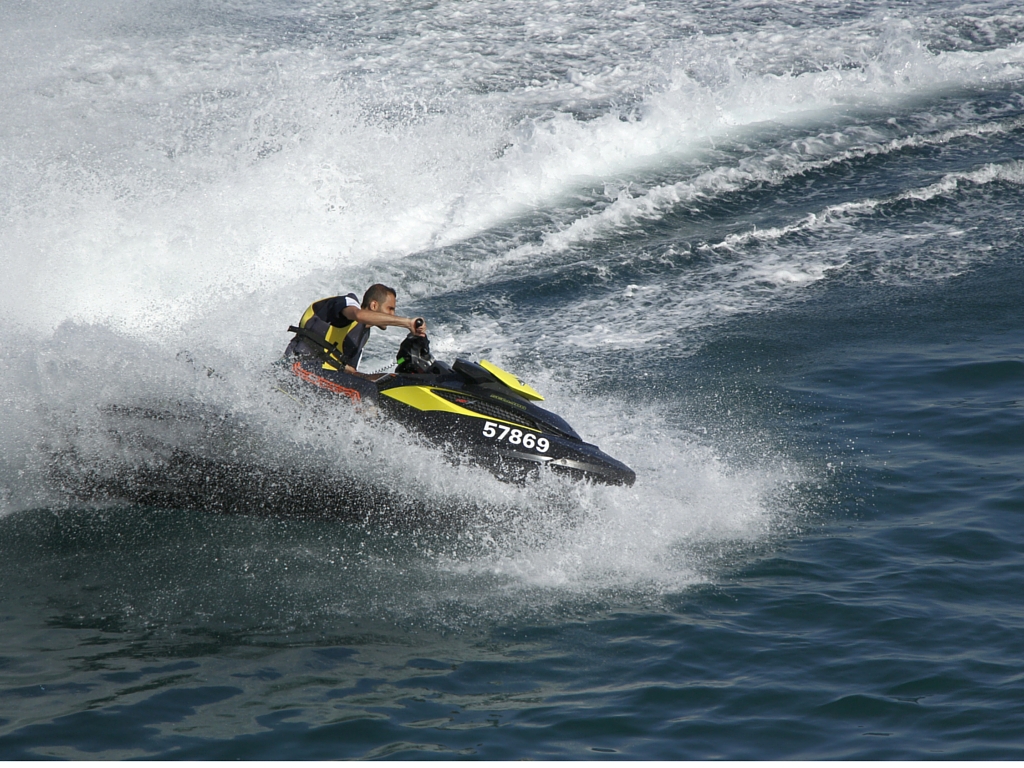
{"x":757,"y":270}
{"x":646,"y":540}
{"x":628,"y":211}
{"x":1012,"y":172}
{"x":208,"y":167}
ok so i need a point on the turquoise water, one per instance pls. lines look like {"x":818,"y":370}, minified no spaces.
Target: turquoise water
{"x":770,"y":259}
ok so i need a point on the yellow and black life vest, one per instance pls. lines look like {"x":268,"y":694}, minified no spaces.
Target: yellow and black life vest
{"x":326,"y":316}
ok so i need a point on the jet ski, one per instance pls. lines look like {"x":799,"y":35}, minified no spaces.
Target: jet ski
{"x":475,"y":409}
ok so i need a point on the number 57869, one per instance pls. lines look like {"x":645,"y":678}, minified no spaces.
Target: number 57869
{"x":516,"y":436}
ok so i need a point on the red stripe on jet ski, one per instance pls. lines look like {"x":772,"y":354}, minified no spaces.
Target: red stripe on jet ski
{"x":320,"y":381}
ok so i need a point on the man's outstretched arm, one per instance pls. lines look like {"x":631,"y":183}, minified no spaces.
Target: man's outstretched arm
{"x":383,"y":319}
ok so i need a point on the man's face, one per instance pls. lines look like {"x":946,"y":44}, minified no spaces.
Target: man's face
{"x":388,"y":307}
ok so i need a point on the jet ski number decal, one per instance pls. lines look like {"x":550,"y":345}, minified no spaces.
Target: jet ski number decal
{"x":516,"y":436}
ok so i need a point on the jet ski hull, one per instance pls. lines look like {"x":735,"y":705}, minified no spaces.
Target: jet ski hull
{"x":470,"y":412}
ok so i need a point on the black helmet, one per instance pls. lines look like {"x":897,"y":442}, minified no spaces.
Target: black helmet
{"x":414,"y":355}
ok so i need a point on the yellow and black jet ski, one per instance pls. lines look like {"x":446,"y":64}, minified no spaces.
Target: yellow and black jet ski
{"x":480,"y":410}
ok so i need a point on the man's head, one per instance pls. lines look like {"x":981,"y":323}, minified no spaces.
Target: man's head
{"x":380,"y":298}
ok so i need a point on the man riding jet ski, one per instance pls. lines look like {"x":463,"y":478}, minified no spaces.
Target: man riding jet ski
{"x":478,"y":409}
{"x":345,"y":322}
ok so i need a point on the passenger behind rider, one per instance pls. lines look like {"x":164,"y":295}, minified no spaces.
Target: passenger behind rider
{"x":346,"y":322}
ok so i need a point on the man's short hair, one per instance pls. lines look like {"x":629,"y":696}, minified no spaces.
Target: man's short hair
{"x":378,"y":292}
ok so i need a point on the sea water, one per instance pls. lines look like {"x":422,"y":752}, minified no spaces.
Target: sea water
{"x":768,"y":254}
